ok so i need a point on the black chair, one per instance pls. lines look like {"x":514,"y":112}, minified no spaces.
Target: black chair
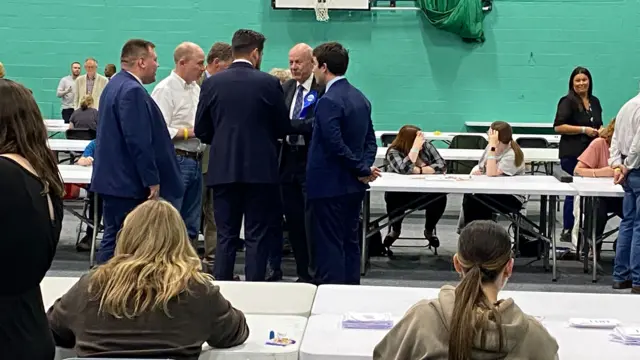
{"x":80,"y":134}
{"x":469,"y":142}
{"x":387,"y":139}
{"x":534,"y":143}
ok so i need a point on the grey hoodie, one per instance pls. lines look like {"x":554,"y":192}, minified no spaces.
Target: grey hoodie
{"x":423,"y":334}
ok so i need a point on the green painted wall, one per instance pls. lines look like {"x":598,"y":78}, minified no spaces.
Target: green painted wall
{"x":411,"y":72}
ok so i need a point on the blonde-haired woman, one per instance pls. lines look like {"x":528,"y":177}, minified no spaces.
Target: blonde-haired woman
{"x":468,"y":321}
{"x":86,"y":116}
{"x":282,"y":74}
{"x":150,"y":300}
{"x":2,"y":71}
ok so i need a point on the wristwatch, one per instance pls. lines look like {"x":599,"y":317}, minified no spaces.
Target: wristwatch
{"x":492,"y":148}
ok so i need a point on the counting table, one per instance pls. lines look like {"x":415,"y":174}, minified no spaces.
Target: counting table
{"x":68,"y":145}
{"x":448,"y":136}
{"x":530,"y":154}
{"x":543,"y":186}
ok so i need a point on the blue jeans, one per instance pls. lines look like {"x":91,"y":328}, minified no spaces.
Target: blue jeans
{"x":627,"y":266}
{"x":568,"y":164}
{"x":190,"y":205}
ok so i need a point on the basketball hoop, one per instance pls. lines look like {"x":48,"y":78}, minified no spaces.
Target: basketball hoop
{"x":322,"y":11}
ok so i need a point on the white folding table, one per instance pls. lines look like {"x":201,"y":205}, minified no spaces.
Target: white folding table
{"x":76,"y":174}
{"x":55,"y":125}
{"x":547,"y":187}
{"x":515,"y":125}
{"x":548,"y":155}
{"x":68,"y":145}
{"x":589,"y":190}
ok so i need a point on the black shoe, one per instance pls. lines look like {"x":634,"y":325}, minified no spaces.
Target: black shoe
{"x":433,"y":240}
{"x":386,"y":244}
{"x":622,"y":285}
{"x":274,"y":275}
{"x":85,"y":243}
{"x":565,"y":236}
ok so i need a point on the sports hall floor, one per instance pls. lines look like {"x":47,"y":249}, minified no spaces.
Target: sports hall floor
{"x":417,"y":266}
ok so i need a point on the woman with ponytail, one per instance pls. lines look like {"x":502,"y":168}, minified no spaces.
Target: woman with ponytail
{"x":469,"y":322}
{"x":502,"y":157}
{"x":86,"y":117}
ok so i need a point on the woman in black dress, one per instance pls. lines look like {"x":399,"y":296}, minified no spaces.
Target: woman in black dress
{"x":578,"y":118}
{"x":31,"y":219}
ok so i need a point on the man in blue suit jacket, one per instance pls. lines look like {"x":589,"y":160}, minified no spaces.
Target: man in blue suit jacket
{"x":242,"y":114}
{"x":135,"y":158}
{"x":343,"y":149}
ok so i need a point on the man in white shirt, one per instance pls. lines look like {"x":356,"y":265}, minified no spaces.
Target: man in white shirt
{"x":625,"y":159}
{"x":177,"y":97}
{"x":66,"y":92}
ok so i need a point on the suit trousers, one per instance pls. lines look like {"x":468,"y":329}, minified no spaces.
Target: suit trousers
{"x":261,"y":208}
{"x":334,"y":224}
{"x":293,"y":201}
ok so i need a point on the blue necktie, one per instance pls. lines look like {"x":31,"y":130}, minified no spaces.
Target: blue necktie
{"x":297,"y":109}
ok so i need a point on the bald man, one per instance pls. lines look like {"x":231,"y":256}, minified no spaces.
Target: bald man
{"x":301,"y":94}
{"x":177,"y":97}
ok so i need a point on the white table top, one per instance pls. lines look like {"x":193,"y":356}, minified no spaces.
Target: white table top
{"x":530,"y":154}
{"x":588,"y":344}
{"x":554,"y":306}
{"x":597,"y":187}
{"x":546,"y":125}
{"x":75,"y":174}
{"x":255,"y":347}
{"x":325,"y":339}
{"x":519,"y":185}
{"x":448,"y":136}
{"x":55,"y":125}
{"x":68,"y":145}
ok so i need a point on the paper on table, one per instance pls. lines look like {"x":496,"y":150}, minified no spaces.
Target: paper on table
{"x":353,"y":320}
{"x":626,"y":335}
{"x":594,"y":323}
{"x":441,"y":178}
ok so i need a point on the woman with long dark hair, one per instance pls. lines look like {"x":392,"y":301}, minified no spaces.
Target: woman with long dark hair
{"x":31,"y":219}
{"x":409,"y":153}
{"x":578,"y":118}
{"x":468,"y":321}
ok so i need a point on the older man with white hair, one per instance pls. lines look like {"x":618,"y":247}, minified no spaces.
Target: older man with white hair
{"x":301,"y":94}
{"x":177,"y":97}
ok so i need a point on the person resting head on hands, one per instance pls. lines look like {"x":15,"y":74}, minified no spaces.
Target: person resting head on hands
{"x":468,"y":321}
{"x":594,"y":161}
{"x":503,"y":155}
{"x":150,"y":300}
{"x":409,"y":153}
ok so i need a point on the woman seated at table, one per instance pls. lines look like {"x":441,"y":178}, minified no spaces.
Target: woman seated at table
{"x":151,"y":300}
{"x":502,"y":157}
{"x":409,"y":153}
{"x":468,"y":321}
{"x":86,"y":117}
{"x":87,"y":160}
{"x":594,"y":162}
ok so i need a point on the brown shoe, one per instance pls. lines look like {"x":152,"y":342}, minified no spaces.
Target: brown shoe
{"x":622,"y":285}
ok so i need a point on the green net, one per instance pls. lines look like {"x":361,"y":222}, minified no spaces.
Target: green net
{"x":461,"y":17}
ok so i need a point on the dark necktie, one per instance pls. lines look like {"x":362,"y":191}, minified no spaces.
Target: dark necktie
{"x":297,"y":108}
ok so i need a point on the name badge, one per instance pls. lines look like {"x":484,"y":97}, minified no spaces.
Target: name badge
{"x":309,"y":100}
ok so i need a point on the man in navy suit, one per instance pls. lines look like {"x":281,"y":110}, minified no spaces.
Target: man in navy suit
{"x":242,"y":114}
{"x":339,"y":167}
{"x":135,"y":158}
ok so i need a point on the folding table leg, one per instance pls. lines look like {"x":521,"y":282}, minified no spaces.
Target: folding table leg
{"x":552,"y":236}
{"x":594,"y":214}
{"x":365,"y":228}
{"x":96,"y":227}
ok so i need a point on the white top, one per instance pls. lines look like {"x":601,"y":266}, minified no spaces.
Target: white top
{"x":466,"y":184}
{"x":307,"y":87}
{"x":66,"y":92}
{"x":626,"y":137}
{"x":530,"y":154}
{"x":178,"y":102}
{"x":68,"y":145}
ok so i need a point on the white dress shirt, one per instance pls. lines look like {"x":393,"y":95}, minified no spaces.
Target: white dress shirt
{"x":626,"y":136}
{"x":178,"y":102}
{"x":307,"y":87}
{"x":332,"y":81}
